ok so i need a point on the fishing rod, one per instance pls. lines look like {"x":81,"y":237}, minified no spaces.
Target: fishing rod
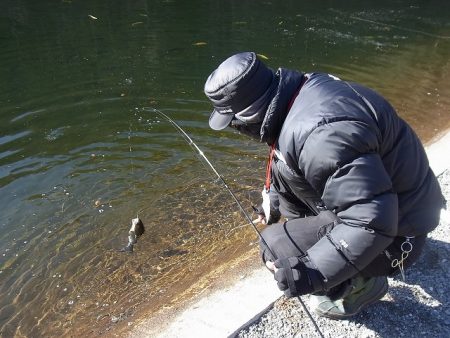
{"x":195,"y":147}
{"x":221,"y":179}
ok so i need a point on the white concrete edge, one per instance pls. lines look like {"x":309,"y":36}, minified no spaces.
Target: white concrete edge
{"x":439,"y":154}
{"x":224,"y":311}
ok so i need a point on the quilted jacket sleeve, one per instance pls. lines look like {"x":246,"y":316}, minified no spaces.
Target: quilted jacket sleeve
{"x":341,"y":161}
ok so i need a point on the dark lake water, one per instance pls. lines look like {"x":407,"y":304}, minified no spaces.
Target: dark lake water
{"x":81,"y":152}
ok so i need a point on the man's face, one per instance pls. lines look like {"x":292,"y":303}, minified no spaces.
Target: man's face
{"x":252,"y":130}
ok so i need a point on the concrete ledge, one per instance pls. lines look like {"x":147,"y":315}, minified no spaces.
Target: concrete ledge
{"x":222,"y":312}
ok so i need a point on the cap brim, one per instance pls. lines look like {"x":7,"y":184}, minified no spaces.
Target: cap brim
{"x":218,"y":121}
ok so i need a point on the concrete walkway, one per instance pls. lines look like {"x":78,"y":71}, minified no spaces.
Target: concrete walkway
{"x":224,"y":311}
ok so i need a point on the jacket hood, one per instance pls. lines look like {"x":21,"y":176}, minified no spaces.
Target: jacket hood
{"x":288,"y":84}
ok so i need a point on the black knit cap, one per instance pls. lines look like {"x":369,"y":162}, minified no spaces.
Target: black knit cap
{"x":235,"y":86}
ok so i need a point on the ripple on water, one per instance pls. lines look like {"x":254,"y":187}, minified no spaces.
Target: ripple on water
{"x":26,"y":114}
{"x":10,"y":138}
{"x":7,"y":153}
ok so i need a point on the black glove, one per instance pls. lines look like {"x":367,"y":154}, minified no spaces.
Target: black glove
{"x":296,"y":277}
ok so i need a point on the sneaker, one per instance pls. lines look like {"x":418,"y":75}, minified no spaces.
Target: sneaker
{"x":364,"y":292}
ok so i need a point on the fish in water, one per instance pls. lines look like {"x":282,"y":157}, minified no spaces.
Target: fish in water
{"x":136,"y":231}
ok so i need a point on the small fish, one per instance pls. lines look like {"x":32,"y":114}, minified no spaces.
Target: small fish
{"x":200,"y":43}
{"x":92,"y":17}
{"x":136,"y":231}
{"x":262,"y":56}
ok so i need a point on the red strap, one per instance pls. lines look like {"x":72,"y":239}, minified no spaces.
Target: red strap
{"x":272,"y":147}
{"x":269,"y":166}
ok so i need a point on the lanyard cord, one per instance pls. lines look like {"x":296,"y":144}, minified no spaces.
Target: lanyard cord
{"x":269,"y":168}
{"x":272,"y":146}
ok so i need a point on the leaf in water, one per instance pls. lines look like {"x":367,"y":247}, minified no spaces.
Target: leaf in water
{"x":136,"y":23}
{"x":92,"y":17}
{"x":262,"y":56}
{"x":201,"y":43}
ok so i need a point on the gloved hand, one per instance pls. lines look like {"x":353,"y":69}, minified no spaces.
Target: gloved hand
{"x":295,"y":277}
{"x":275,"y":215}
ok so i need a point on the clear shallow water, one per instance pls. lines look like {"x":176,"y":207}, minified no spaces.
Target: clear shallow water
{"x":80,"y":153}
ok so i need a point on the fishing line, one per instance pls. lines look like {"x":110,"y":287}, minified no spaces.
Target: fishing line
{"x":222,"y":180}
{"x":131,"y":161}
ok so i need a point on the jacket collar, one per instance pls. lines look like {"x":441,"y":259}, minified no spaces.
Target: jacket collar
{"x":288,"y":84}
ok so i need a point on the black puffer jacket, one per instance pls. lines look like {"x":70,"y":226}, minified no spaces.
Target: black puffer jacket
{"x":343,"y":147}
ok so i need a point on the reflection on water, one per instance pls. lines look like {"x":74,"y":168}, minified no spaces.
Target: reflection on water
{"x":80,"y":156}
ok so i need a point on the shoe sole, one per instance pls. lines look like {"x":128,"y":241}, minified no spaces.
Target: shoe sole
{"x":382,"y":290}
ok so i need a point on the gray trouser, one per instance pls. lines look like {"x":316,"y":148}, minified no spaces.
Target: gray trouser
{"x":296,"y":236}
